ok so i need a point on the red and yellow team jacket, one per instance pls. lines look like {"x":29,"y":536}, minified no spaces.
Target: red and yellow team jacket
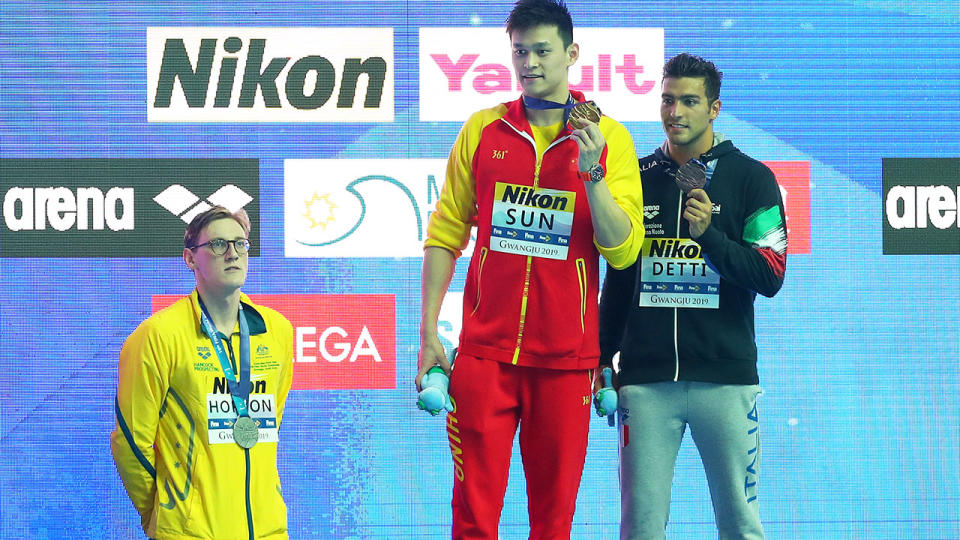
{"x":530,"y":296}
{"x":173,"y":443}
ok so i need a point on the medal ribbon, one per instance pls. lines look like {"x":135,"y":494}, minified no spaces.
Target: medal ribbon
{"x":543,"y":104}
{"x":239,"y":390}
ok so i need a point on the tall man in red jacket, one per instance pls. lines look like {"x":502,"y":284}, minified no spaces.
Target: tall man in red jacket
{"x":547,"y":198}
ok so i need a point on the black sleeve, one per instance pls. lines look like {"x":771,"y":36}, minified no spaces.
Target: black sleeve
{"x":615,"y":301}
{"x":757,"y":261}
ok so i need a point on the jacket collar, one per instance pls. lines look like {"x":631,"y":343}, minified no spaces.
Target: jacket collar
{"x":516,"y":114}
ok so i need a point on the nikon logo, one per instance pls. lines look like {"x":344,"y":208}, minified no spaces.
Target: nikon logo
{"x":921,"y":206}
{"x":270,"y":74}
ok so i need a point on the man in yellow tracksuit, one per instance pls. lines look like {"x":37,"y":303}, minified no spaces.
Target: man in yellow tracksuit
{"x":201,"y":391}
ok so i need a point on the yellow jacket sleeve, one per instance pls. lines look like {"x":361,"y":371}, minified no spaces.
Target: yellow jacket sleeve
{"x":456,"y":210}
{"x":140,"y":392}
{"x":623,"y":180}
{"x":286,"y":367}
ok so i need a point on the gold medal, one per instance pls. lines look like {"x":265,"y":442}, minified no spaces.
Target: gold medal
{"x":585,"y":110}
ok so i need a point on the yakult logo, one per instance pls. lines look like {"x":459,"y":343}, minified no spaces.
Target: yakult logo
{"x":463,"y":70}
{"x":270,"y":74}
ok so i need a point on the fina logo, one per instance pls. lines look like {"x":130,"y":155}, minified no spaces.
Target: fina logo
{"x":181,"y":202}
{"x":359,"y":208}
{"x":319,"y":210}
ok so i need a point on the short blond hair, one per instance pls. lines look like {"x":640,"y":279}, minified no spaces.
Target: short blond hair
{"x":201,"y":220}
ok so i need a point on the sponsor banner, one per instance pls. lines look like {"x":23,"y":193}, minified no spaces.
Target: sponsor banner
{"x":340,"y":341}
{"x":530,"y":221}
{"x":359,"y":208}
{"x":794,"y":180}
{"x":674,"y":274}
{"x":117,"y":207}
{"x":222,"y":414}
{"x":921,"y":206}
{"x":463,"y":70}
{"x":220,"y":74}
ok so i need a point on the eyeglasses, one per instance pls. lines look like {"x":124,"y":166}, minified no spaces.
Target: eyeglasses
{"x":219,"y":246}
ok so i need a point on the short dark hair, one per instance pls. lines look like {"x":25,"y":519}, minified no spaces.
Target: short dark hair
{"x":201,"y":220}
{"x":527,"y":14}
{"x":689,"y":65}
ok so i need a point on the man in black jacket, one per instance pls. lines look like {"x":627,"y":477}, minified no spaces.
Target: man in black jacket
{"x":682,"y":316}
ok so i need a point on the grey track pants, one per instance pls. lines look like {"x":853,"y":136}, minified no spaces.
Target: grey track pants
{"x":724,"y":423}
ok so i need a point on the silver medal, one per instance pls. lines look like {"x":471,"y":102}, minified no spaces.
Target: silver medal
{"x":245,"y":432}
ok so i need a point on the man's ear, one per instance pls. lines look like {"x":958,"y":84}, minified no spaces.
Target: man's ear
{"x":188,"y":259}
{"x":573,"y":54}
{"x":715,"y":109}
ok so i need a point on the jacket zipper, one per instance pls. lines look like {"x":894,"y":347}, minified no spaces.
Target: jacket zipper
{"x":676,"y":323}
{"x":526,"y":276}
{"x":246,"y":456}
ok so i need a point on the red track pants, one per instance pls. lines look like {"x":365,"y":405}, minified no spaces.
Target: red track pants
{"x":552,"y":408}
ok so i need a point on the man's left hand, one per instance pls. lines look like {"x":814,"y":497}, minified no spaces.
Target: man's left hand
{"x":698,"y":211}
{"x":591,"y":143}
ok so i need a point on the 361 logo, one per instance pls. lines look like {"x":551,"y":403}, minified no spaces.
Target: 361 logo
{"x":921,"y":206}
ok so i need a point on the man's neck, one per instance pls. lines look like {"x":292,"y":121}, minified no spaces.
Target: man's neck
{"x":684,"y":153}
{"x":222,"y":307}
{"x":547,"y":117}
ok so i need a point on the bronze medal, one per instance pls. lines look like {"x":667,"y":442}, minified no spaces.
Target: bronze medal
{"x":691,"y":175}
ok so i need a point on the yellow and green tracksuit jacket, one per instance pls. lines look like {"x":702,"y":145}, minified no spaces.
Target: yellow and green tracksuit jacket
{"x":530,"y":297}
{"x":173,"y":445}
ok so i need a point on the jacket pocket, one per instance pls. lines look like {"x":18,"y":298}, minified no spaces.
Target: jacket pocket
{"x":483,"y":259}
{"x":582,"y":279}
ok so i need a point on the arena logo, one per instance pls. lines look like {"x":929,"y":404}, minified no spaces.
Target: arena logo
{"x":116,"y":207}
{"x":359,"y":208}
{"x":913,"y":207}
{"x":270,"y":74}
{"x":182,"y":202}
{"x":463,"y":70}
{"x":921,"y":206}
{"x":82,"y":208}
